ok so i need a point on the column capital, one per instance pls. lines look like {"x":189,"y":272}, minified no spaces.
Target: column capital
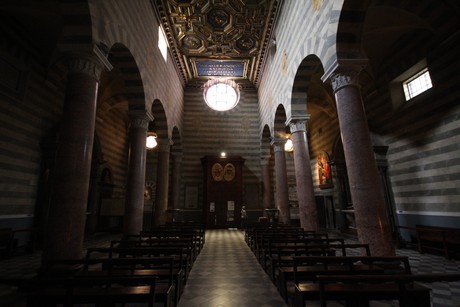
{"x":265,"y":159}
{"x":140,"y":119}
{"x":85,"y":63}
{"x":278,"y":144}
{"x":344,"y":73}
{"x":298,"y":123}
{"x":164,"y":145}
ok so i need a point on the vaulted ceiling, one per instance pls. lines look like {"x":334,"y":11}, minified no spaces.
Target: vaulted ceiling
{"x":219,"y":38}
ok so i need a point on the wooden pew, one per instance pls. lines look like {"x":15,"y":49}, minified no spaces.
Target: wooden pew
{"x":306,"y":270}
{"x":67,"y":291}
{"x":274,"y":244}
{"x":198,"y":234}
{"x":439,"y":239}
{"x":266,"y":241}
{"x":181,"y":254}
{"x":185,"y":244}
{"x":254,"y":232}
{"x":283,"y":257}
{"x":9,"y":240}
{"x":169,"y":278}
{"x":284,"y":231}
{"x":360,"y":289}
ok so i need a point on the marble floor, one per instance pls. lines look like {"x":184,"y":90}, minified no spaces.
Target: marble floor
{"x":226,"y":274}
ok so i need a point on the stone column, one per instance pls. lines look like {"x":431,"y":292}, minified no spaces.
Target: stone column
{"x":176,"y":173}
{"x":305,"y":192}
{"x":161,"y":197}
{"x":365,"y":186}
{"x":134,"y":203}
{"x":282,"y":194}
{"x":65,"y":228}
{"x":266,"y":181}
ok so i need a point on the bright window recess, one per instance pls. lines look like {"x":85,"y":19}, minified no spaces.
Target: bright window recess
{"x":221,"y":95}
{"x":162,"y":44}
{"x":417,"y":84}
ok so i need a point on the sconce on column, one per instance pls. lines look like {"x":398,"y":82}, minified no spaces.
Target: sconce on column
{"x":151,"y":140}
{"x":288,"y":146}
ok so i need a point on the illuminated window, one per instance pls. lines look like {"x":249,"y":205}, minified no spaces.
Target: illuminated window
{"x":417,"y":84}
{"x":221,"y":95}
{"x":162,"y":44}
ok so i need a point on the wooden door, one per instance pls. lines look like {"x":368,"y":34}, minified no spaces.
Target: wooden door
{"x":222,"y":191}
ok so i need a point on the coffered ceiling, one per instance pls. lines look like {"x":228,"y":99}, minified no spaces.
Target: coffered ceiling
{"x":219,"y":38}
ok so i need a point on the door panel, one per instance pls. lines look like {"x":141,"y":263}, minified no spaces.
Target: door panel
{"x":223,"y":187}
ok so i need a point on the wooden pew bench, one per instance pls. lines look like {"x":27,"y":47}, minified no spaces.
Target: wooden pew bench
{"x":169,"y":278}
{"x":10,"y":240}
{"x":438,"y":239}
{"x":360,"y":289}
{"x":306,"y":269}
{"x":262,"y":236}
{"x":254,"y":234}
{"x":7,"y":242}
{"x":197,"y":235}
{"x":273,"y":243}
{"x":283,"y":258}
{"x":68,"y":291}
{"x":144,"y":241}
{"x":180,"y":254}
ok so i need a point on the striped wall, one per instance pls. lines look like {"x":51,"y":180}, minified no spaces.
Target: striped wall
{"x":29,"y":108}
{"x":423,"y":139}
{"x":423,"y":134}
{"x":135,"y":25}
{"x":112,"y":130}
{"x":32,"y":105}
{"x":208,"y":132}
{"x":301,"y":31}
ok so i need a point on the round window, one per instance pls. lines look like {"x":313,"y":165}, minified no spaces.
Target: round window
{"x":221,"y":96}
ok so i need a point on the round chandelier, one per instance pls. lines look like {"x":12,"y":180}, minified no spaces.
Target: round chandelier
{"x":221,"y":94}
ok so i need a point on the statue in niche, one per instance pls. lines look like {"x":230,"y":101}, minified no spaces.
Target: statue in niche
{"x":147,"y":193}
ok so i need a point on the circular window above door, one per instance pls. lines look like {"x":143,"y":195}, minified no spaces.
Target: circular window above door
{"x":221,"y":95}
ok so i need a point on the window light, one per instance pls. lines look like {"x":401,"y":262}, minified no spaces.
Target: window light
{"x":417,"y":84}
{"x":221,"y":94}
{"x":162,"y":44}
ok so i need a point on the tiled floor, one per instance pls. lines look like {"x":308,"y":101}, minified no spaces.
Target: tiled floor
{"x":226,"y":274}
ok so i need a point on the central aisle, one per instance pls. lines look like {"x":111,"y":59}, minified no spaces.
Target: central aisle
{"x":226,"y":274}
